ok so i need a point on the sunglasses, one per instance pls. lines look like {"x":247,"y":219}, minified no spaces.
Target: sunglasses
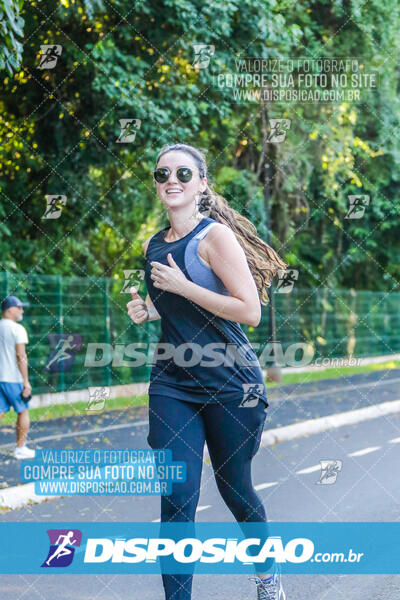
{"x":184,"y":174}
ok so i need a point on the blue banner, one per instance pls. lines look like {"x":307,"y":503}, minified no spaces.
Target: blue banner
{"x":299,"y":547}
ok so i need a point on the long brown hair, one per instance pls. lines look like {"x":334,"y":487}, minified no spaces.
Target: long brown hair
{"x":263,"y":261}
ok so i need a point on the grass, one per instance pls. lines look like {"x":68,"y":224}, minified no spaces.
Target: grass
{"x":75,"y":409}
{"x":333,"y":373}
{"x":78,"y":408}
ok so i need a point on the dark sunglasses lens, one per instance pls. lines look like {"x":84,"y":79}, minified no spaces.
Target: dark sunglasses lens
{"x":184,"y":174}
{"x":161,"y":175}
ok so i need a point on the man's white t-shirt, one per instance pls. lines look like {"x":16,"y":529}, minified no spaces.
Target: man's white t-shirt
{"x":11,"y":333}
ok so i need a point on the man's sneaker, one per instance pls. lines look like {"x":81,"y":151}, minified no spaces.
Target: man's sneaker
{"x":21,"y":452}
{"x":270,"y":589}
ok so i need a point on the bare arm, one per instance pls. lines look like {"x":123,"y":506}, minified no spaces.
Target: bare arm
{"x":22,"y":362}
{"x":151,"y":309}
{"x":228,"y":260}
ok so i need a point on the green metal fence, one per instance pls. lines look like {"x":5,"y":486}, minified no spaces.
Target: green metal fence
{"x":336,"y":323}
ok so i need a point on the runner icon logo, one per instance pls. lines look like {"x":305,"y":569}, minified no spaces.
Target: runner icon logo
{"x":251,"y":392}
{"x":62,"y":542}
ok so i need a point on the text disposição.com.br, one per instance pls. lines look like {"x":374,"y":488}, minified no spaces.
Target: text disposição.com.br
{"x":337,"y":557}
{"x":212,"y":550}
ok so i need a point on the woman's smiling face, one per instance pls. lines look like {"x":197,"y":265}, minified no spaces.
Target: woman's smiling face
{"x":174,"y":193}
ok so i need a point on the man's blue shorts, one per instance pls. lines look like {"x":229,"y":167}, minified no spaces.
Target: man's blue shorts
{"x":10,"y":395}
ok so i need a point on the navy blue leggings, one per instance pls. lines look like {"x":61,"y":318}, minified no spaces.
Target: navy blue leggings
{"x":233,"y":436}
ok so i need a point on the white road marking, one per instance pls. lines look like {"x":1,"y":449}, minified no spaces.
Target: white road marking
{"x":262,"y":486}
{"x":387,"y":407}
{"x":309,"y":470}
{"x":79,"y":433}
{"x":312,"y":426}
{"x":17,"y":496}
{"x":365,"y":451}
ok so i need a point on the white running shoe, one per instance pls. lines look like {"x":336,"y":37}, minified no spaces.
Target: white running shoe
{"x":270,"y":589}
{"x":21,"y":452}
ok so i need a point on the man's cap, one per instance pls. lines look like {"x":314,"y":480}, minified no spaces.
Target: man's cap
{"x":12,"y":301}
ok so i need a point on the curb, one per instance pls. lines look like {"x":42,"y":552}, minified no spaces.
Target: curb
{"x":21,"y":495}
{"x":141,"y":388}
{"x":290,"y":432}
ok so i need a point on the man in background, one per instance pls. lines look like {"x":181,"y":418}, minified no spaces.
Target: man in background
{"x":14,"y":382}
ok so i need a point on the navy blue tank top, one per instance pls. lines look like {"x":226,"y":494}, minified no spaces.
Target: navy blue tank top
{"x":201,"y":357}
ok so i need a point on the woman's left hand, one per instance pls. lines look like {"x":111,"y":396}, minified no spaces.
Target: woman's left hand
{"x":169,"y":279}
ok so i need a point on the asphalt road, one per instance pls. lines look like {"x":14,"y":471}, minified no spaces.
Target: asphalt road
{"x":119,"y":428}
{"x":285,"y":475}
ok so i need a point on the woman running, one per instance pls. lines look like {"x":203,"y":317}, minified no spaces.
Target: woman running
{"x":206,"y":273}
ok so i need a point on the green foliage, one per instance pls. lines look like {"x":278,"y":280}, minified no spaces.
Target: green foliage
{"x":11,"y":28}
{"x":59,"y":129}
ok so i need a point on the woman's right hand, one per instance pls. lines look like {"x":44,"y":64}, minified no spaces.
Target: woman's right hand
{"x":137,"y":308}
